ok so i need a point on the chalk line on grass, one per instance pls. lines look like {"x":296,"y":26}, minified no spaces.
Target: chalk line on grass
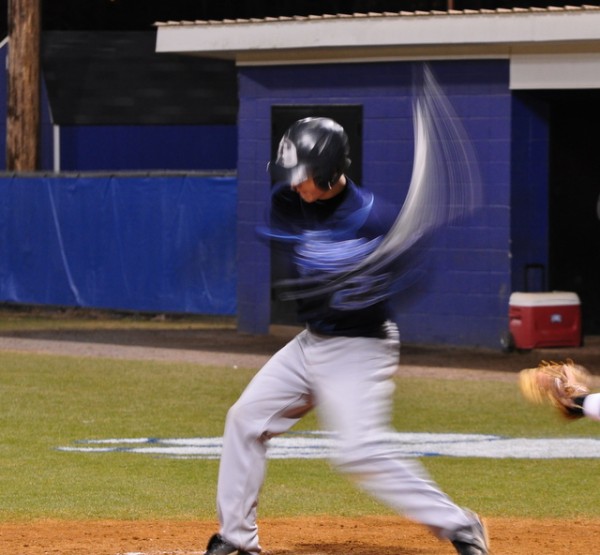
{"x":320,"y":445}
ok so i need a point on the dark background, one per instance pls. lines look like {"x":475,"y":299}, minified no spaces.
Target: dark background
{"x":140,"y":15}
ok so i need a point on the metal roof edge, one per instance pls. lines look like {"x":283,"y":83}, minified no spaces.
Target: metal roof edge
{"x":364,"y":36}
{"x":386,"y":14}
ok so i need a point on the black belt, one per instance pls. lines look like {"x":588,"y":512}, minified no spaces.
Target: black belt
{"x":377,"y":333}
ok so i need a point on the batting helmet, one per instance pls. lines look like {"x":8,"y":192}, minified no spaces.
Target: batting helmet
{"x":312,"y":147}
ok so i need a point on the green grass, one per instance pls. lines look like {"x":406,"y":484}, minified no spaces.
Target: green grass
{"x":52,"y":401}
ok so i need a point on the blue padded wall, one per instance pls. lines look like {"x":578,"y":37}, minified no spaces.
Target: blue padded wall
{"x":466,"y":296}
{"x":143,"y":244}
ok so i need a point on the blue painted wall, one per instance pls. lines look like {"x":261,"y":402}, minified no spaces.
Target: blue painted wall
{"x":148,"y":147}
{"x":143,"y":244}
{"x":466,"y":300}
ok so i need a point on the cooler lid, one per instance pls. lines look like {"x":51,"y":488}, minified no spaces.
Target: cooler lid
{"x":551,"y":298}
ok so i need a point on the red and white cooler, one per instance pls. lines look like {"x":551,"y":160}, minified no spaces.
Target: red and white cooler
{"x":551,"y":319}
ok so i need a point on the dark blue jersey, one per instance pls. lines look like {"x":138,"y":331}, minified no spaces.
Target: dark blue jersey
{"x":327,"y":238}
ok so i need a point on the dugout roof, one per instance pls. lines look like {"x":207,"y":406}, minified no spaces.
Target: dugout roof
{"x":548,"y":48}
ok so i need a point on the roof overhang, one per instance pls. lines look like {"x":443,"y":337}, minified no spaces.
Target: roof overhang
{"x":521,"y":35}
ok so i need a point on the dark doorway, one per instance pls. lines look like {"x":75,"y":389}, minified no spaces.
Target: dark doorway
{"x":574,"y":257}
{"x":350,"y":118}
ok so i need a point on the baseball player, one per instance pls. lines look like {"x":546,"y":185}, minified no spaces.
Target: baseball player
{"x":341,"y":364}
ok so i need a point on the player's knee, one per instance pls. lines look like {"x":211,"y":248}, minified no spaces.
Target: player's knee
{"x":237,"y":413}
{"x":241,"y":418}
{"x":361,"y":455}
{"x":348,"y":457}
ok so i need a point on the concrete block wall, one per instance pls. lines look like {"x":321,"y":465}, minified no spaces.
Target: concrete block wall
{"x":464,"y":298}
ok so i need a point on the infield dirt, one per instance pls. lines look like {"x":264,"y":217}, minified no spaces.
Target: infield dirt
{"x":293,"y":536}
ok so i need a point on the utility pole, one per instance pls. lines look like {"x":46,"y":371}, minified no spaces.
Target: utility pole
{"x":23,"y":116}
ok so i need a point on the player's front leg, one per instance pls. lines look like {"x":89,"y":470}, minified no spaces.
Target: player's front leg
{"x":271,"y":404}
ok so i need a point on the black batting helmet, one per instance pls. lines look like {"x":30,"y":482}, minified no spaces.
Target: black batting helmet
{"x":312,"y":147}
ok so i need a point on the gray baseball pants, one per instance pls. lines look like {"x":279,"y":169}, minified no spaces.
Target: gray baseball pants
{"x":349,"y":381}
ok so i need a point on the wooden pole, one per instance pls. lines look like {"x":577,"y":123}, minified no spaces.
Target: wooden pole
{"x":23,"y":118}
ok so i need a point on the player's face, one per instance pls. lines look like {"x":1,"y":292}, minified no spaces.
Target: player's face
{"x":309,"y":191}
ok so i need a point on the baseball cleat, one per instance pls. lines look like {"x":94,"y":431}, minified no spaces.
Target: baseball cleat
{"x":217,"y":545}
{"x":472,"y":540}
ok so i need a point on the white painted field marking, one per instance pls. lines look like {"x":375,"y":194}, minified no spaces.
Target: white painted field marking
{"x":320,"y":445}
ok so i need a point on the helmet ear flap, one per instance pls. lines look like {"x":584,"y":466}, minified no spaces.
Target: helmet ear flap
{"x":331,"y":176}
{"x":324,"y":182}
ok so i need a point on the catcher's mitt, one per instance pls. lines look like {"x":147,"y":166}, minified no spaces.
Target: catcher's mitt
{"x":559,"y":384}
